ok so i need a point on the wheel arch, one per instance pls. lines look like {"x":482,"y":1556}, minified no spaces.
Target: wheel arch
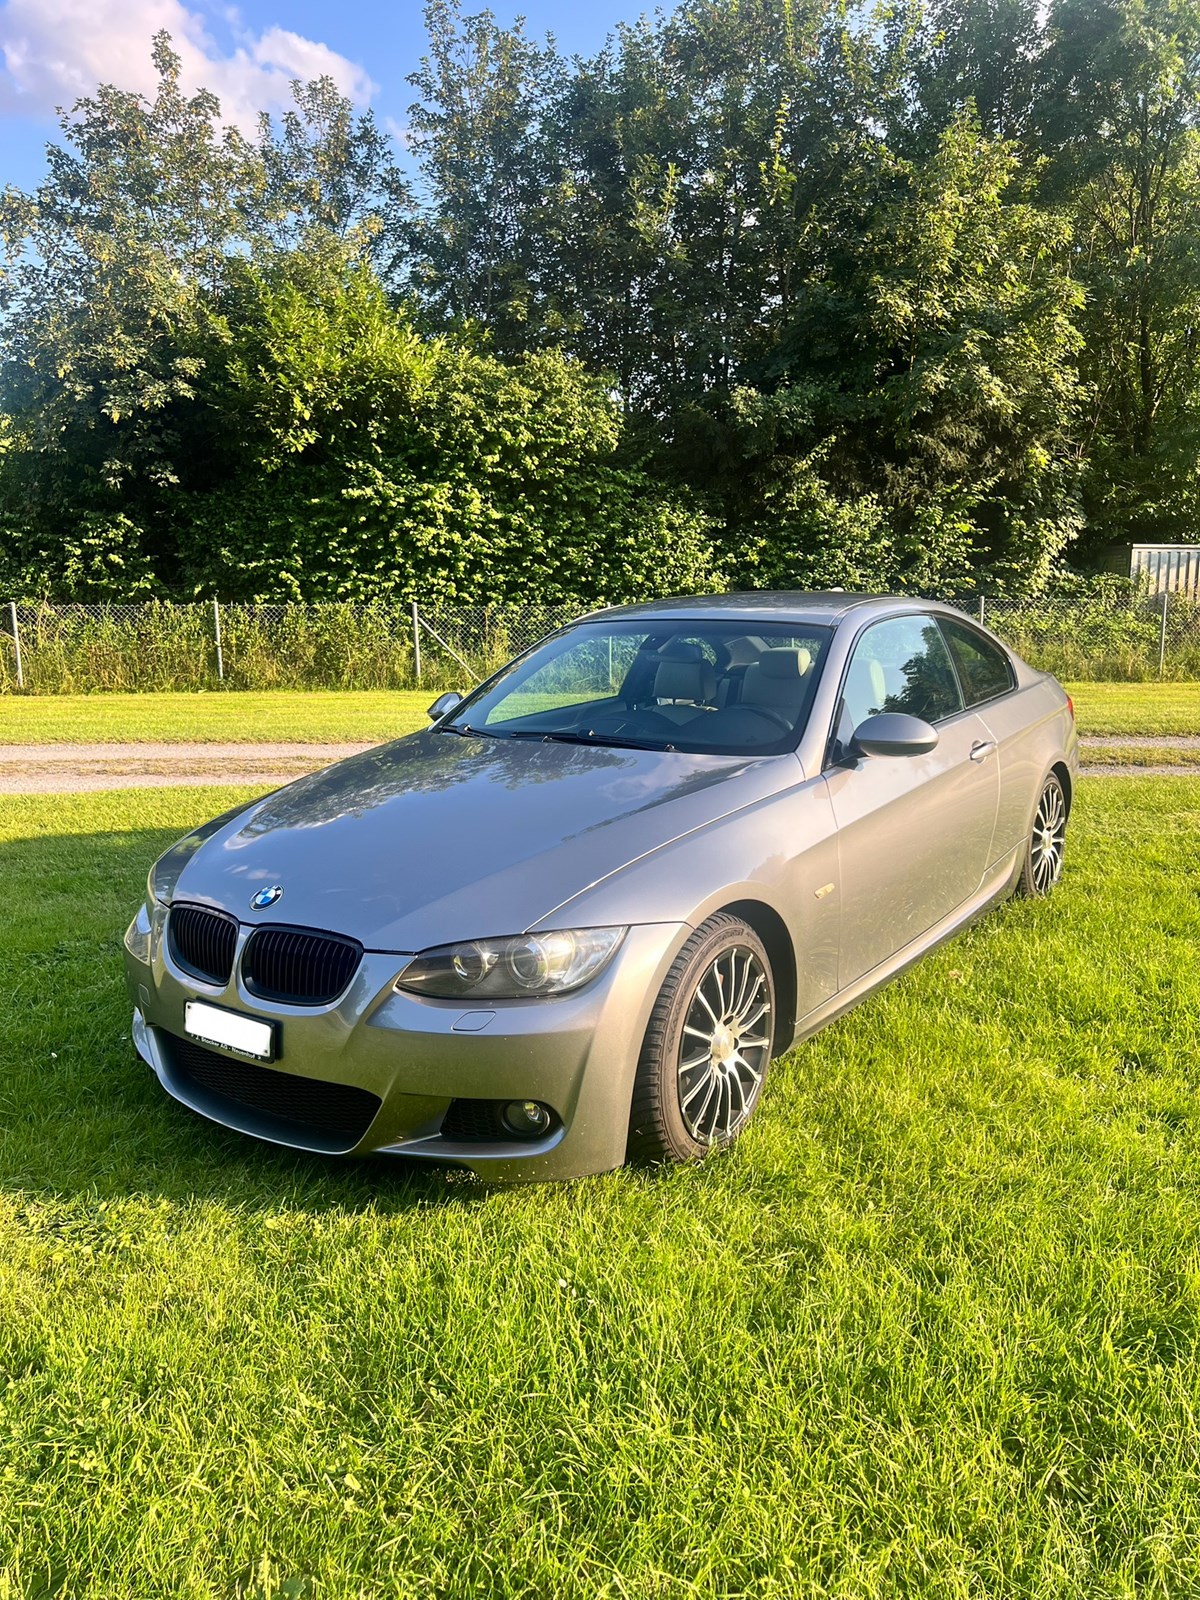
{"x":1062,"y":772}
{"x":781,"y":952}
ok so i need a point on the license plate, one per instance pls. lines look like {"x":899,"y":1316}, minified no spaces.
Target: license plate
{"x":246,"y":1035}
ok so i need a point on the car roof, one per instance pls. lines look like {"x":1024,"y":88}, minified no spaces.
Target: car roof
{"x":825,"y":607}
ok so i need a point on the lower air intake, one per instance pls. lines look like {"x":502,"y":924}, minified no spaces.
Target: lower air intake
{"x":474,"y":1122}
{"x":334,"y":1109}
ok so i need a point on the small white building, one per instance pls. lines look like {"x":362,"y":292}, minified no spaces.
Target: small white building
{"x":1167,"y":568}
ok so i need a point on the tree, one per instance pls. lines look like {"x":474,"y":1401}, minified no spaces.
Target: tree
{"x":480,"y":135}
{"x":112,"y":266}
{"x":919,"y":403}
{"x":981,"y":57}
{"x":324,"y":170}
{"x":1121,"y":128}
{"x":121,"y":294}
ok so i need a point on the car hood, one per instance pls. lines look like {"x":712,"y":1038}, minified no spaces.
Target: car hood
{"x":438,"y":837}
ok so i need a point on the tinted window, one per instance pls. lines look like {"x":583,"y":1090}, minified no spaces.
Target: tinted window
{"x":900,"y":665}
{"x":983,"y":668}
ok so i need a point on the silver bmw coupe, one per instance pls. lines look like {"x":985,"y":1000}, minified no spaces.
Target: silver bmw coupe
{"x":573,"y":921}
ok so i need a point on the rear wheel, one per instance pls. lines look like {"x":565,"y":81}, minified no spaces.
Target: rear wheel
{"x":1043,"y":864}
{"x":707,"y":1046}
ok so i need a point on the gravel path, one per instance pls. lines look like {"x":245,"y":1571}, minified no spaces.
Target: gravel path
{"x":80,"y":768}
{"x":1113,"y":769}
{"x":1144,"y":741}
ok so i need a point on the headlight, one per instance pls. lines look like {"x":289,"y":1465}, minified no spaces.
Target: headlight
{"x":137,"y":936}
{"x":509,"y":969}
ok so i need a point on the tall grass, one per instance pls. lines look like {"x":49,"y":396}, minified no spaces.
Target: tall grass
{"x":163,"y":646}
{"x":1102,"y":638}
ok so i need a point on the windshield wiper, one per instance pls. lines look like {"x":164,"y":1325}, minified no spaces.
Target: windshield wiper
{"x":615,"y":741}
{"x":580,"y":736}
{"x":466,"y":731}
{"x":536,"y":736}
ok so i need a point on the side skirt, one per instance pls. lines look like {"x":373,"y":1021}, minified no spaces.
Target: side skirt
{"x":998,"y":885}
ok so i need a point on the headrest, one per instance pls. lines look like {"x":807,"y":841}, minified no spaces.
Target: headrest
{"x":685,"y":679}
{"x":680,"y":650}
{"x":741,"y":651}
{"x":785,"y":663}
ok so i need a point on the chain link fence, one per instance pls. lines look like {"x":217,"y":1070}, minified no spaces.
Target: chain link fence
{"x":1116,"y":638}
{"x":161,"y":645}
{"x":156,"y":645}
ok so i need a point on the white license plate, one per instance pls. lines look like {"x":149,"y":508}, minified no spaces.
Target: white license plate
{"x":246,"y":1035}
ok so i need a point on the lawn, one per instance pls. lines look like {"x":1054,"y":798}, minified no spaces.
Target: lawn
{"x":1137,"y":707}
{"x":930,"y":1329}
{"x":316,"y":716}
{"x":331,"y":717}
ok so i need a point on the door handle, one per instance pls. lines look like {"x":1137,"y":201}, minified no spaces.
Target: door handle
{"x":982,"y":749}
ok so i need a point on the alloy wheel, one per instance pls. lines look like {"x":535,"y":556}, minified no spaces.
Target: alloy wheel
{"x":1049,"y":839}
{"x":725,"y":1046}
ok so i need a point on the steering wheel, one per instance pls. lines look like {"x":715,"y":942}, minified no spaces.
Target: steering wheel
{"x":637,"y":723}
{"x":770,"y":713}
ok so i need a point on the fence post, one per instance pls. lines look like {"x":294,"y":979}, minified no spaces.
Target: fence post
{"x":217,"y":637}
{"x":416,"y":628}
{"x":981,"y":607}
{"x":12,"y":611}
{"x":1162,"y":635}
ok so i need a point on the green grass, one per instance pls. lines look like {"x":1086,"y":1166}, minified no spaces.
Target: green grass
{"x":316,"y":716}
{"x":931,"y":1329}
{"x":1137,"y":707}
{"x":322,"y":716}
{"x":1142,"y":755}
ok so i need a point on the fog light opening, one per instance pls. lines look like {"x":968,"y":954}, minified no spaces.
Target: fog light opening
{"x":527,"y":1119}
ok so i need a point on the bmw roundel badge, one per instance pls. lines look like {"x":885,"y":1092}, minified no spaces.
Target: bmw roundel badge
{"x":262,"y":898}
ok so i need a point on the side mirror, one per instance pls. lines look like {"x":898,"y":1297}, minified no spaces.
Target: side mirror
{"x":445,"y":704}
{"x":893,"y":733}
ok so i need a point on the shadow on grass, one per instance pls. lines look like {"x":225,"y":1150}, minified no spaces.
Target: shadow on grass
{"x":80,"y":1113}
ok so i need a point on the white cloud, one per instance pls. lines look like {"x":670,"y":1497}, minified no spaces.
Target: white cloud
{"x":53,"y":51}
{"x":400,"y":131}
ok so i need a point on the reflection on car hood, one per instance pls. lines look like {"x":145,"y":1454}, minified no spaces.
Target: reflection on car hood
{"x":438,"y":837}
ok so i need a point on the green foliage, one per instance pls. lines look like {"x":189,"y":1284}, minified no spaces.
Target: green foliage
{"x":1122,"y":132}
{"x":372,"y":461}
{"x":112,"y":263}
{"x":788,"y":295}
{"x":933,"y":378}
{"x":326,"y":172}
{"x":489,"y":156}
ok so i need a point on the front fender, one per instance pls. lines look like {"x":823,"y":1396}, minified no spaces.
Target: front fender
{"x":780,"y":852}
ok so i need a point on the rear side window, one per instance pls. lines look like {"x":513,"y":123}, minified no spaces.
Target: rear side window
{"x":983,"y":668}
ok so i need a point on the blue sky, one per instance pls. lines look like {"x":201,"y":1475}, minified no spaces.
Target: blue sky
{"x":51,"y":51}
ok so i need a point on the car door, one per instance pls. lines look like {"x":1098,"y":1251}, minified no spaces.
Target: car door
{"x":989,"y":685}
{"x":914,"y":832}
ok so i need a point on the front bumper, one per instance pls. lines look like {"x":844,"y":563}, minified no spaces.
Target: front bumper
{"x":575,"y":1053}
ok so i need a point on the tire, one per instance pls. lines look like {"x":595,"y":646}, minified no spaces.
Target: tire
{"x":688,"y":1101}
{"x":1042,"y":867}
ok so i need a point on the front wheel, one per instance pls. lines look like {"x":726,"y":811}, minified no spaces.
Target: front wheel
{"x":1043,"y":864}
{"x":707,"y":1046}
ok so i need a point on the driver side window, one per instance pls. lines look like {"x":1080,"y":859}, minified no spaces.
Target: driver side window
{"x":900,"y":664}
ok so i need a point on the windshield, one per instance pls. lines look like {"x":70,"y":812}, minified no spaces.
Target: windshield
{"x":733,"y":688}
